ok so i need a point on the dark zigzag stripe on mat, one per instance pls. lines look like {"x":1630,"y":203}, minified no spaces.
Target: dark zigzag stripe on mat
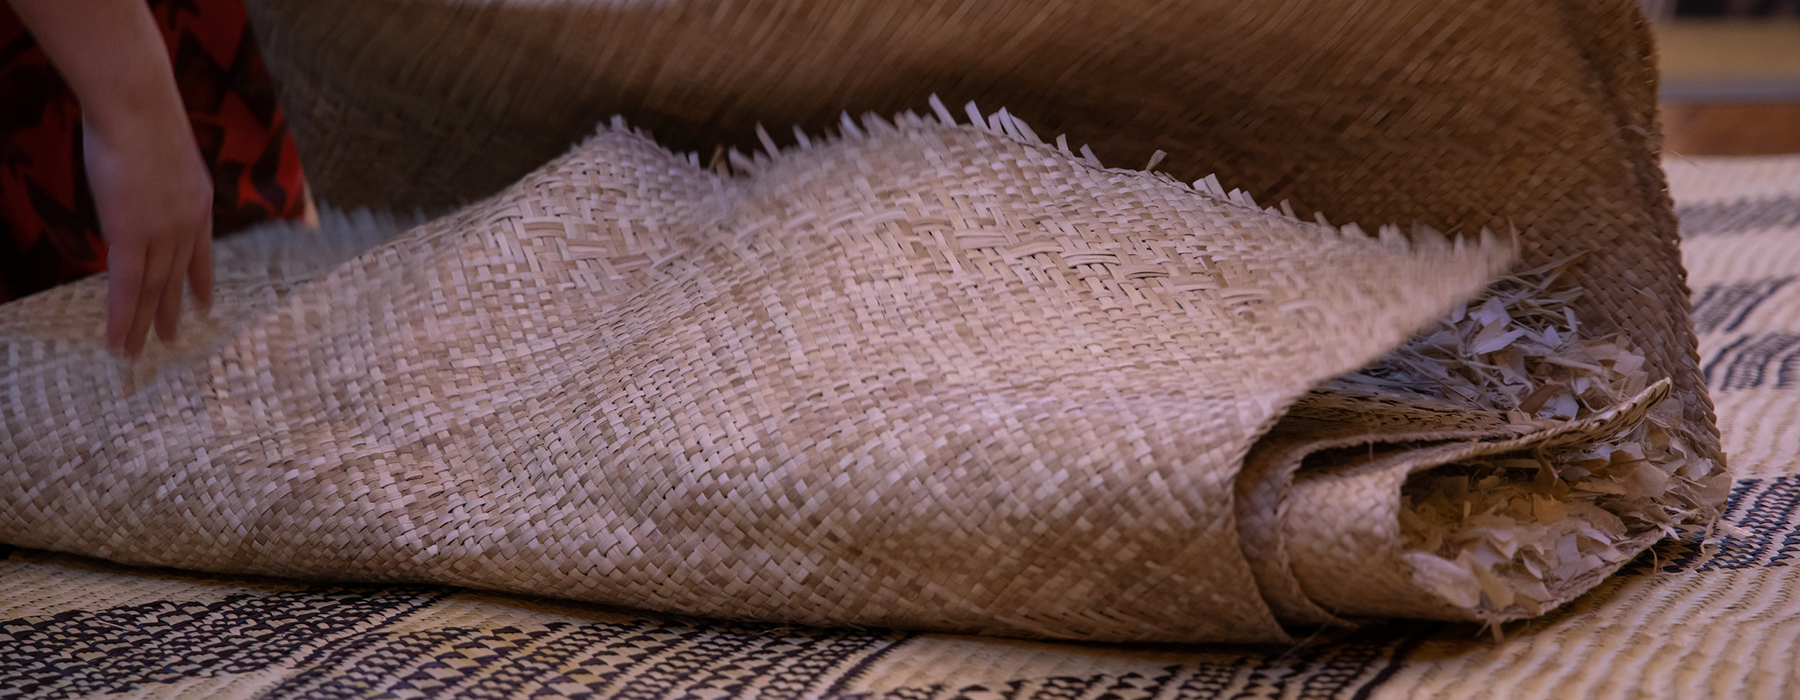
{"x":117,"y":649}
{"x":1755,"y":361}
{"x":327,"y":637}
{"x":1767,"y":510}
{"x":1348,"y":669}
{"x":1723,"y":307}
{"x":340,"y":643}
{"x":615,"y":661}
{"x":1723,"y":218}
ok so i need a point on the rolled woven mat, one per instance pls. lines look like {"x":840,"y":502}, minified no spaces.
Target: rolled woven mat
{"x":1534,"y":115}
{"x":919,"y":374}
{"x":1686,"y":620}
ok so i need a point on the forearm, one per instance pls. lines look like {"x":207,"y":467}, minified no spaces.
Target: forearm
{"x":152,"y":192}
{"x":112,"y":56}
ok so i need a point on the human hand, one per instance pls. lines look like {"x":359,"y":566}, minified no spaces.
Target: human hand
{"x":150,"y":186}
{"x":154,"y":199}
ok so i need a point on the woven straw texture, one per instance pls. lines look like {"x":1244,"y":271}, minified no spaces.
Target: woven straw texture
{"x":1536,"y":114}
{"x":1685,"y":620}
{"x":917,"y":374}
{"x":932,"y":377}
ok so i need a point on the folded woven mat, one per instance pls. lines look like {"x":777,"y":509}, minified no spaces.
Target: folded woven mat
{"x":918,"y":374}
{"x":1531,"y":115}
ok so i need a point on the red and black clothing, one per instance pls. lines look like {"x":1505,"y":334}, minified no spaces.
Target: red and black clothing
{"x":49,"y":233}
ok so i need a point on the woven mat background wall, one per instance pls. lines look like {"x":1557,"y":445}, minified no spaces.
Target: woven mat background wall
{"x":1534,"y":114}
{"x":1684,"y":621}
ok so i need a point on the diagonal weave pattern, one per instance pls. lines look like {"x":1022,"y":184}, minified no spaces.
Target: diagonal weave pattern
{"x":1689,"y":620}
{"x":922,"y":375}
{"x":927,"y":376}
{"x":1537,"y":115}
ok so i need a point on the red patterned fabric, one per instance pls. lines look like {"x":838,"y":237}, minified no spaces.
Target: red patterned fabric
{"x":49,"y":233}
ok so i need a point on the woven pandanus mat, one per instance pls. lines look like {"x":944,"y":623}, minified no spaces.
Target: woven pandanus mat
{"x":1685,"y":620}
{"x":929,"y":377}
{"x":921,"y":375}
{"x":932,"y":372}
{"x":1534,"y":115}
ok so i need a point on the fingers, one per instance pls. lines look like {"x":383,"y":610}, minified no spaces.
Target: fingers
{"x":146,"y":286}
{"x":154,"y":280}
{"x":168,"y":308}
{"x":125,"y":264}
{"x":200,"y":270}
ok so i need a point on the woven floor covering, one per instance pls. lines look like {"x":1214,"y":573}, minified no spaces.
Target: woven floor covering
{"x":1683,"y":621}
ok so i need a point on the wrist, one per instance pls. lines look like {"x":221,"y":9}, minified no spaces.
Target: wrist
{"x":141,"y":110}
